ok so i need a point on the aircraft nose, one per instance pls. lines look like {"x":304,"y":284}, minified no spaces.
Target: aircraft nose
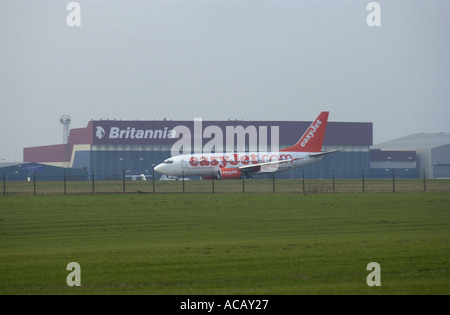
{"x":159,"y":168}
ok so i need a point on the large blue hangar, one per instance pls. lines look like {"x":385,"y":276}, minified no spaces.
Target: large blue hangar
{"x":111,"y":147}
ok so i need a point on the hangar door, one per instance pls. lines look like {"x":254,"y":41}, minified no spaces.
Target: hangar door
{"x":441,"y":171}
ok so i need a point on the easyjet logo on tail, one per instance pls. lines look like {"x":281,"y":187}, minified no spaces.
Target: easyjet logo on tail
{"x":311,"y":132}
{"x":312,"y":139}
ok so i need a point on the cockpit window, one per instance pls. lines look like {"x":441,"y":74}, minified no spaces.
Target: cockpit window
{"x":168,"y":161}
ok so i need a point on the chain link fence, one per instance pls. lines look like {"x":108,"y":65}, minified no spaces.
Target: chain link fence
{"x":65,"y":185}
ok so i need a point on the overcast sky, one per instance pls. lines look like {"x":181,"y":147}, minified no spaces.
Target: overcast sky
{"x":221,"y":59}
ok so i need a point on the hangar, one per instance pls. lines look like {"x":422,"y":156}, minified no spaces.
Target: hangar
{"x":111,"y":148}
{"x":28,"y":171}
{"x":432,"y":151}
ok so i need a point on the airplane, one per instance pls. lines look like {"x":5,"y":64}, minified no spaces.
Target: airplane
{"x":307,"y":150}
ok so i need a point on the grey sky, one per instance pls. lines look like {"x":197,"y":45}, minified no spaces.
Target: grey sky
{"x":248,"y":59}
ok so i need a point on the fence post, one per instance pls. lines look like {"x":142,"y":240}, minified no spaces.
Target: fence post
{"x":424,"y":182}
{"x":303,"y":176}
{"x":243,"y":184}
{"x":93,"y":181}
{"x":65,"y":187}
{"x":123,"y":180}
{"x":334,"y":187}
{"x":393,"y":181}
{"x":153,"y":177}
{"x":363,"y":182}
{"x":212,"y":178}
{"x":273,"y":183}
{"x":183,"y":182}
{"x":34,"y":183}
{"x":4,"y":184}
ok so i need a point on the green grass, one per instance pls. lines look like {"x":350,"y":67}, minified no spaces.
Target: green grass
{"x":225,"y":243}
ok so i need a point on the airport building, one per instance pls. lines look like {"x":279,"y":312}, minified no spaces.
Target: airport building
{"x":388,"y":163}
{"x":430,"y":150}
{"x":39,"y":171}
{"x":111,"y":148}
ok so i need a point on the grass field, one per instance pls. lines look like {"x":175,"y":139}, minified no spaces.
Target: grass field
{"x":225,"y":243}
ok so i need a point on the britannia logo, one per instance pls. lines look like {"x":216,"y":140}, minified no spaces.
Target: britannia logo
{"x":100,"y":133}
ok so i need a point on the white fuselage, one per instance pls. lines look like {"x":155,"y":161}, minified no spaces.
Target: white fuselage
{"x":208,"y":164}
{"x":307,"y":150}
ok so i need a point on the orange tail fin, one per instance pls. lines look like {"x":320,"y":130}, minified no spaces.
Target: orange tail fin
{"x":312,"y":139}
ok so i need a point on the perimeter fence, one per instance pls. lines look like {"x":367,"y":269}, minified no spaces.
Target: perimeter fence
{"x":62,"y":185}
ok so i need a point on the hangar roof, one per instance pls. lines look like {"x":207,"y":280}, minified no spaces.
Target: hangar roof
{"x":416,"y":141}
{"x":8,"y":164}
{"x":338,"y":133}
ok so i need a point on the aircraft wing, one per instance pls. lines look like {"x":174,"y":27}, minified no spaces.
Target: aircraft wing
{"x":268,"y":166}
{"x":257,"y":167}
{"x":324,"y":153}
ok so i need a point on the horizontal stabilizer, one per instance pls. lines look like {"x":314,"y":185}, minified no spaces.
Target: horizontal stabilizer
{"x":324,"y":153}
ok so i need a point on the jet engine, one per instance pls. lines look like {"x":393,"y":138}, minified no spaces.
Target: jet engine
{"x":229,"y":173}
